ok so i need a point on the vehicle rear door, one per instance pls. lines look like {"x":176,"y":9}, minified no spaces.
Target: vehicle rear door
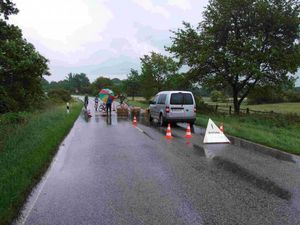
{"x":189,"y":105}
{"x":176,"y":105}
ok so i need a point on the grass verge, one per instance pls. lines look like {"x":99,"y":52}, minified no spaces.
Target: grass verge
{"x":139,"y":103}
{"x":278,"y":133}
{"x":26,"y":150}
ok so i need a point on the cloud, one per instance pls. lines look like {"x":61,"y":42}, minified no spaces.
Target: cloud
{"x":149,"y":6}
{"x":101,"y":36}
{"x":62,"y":25}
{"x":182,"y":4}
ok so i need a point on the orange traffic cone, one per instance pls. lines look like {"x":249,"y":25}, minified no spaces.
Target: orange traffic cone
{"x":222,"y":127}
{"x":134,"y":123}
{"x":188,"y":133}
{"x":169,"y":134}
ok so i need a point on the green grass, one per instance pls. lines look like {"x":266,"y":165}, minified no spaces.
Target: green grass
{"x":285,"y":108}
{"x":139,"y":103}
{"x":278,"y":132}
{"x":26,"y":151}
{"x":279,"y":107}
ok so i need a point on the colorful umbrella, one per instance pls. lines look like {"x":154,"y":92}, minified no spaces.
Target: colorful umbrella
{"x":106,"y":95}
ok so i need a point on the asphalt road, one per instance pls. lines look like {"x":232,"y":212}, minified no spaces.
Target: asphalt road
{"x":109,"y":172}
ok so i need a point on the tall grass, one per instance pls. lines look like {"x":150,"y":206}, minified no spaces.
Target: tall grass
{"x":26,"y":151}
{"x":280,"y":132}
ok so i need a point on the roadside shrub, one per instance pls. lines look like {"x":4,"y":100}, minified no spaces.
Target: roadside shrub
{"x":202,"y":106}
{"x":14,"y":118}
{"x":292,"y":96}
{"x":216,"y":96}
{"x":268,"y":94}
{"x":59,"y":95}
{"x":7,"y":104}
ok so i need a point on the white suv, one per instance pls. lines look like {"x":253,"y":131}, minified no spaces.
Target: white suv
{"x":173,"y":106}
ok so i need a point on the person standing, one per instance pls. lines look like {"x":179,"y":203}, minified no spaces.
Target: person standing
{"x":108,"y":104}
{"x":96,"y":103}
{"x":110,"y":100}
{"x":86,"y":101}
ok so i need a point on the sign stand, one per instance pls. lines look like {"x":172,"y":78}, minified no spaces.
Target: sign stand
{"x":213,"y":134}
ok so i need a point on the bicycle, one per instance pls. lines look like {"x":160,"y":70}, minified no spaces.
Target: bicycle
{"x":102,"y":107}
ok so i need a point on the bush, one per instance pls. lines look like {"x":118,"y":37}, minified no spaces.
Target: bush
{"x":7,"y":103}
{"x":216,"y":96}
{"x":59,"y":95}
{"x":267,"y":94}
{"x":292,"y":96}
{"x":202,"y":106}
{"x":14,"y":118}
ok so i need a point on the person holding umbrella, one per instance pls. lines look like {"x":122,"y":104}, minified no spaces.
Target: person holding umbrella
{"x":107,"y":96}
{"x":108,"y":104}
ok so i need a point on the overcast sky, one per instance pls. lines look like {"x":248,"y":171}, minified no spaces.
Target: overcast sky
{"x":102,"y":37}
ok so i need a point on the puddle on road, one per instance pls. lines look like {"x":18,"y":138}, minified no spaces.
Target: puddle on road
{"x":199,"y":150}
{"x":260,"y":182}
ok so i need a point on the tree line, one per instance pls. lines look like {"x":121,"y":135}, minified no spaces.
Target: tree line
{"x":241,"y":48}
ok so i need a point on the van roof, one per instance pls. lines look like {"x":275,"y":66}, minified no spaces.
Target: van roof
{"x":171,"y":92}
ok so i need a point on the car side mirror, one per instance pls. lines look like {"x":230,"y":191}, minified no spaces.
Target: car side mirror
{"x":151,"y":102}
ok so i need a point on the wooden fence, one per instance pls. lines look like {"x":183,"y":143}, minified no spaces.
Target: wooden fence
{"x":230,"y":110}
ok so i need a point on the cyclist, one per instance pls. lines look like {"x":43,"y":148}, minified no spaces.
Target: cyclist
{"x":96,"y":103}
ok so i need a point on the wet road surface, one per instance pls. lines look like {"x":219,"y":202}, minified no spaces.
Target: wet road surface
{"x":109,"y":172}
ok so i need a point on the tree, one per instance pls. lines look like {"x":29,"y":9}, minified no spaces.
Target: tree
{"x":132,"y":83}
{"x":59,"y":95}
{"x":21,"y":70}
{"x":216,"y":96}
{"x":177,"y":82}
{"x":21,"y":66}
{"x":45,"y":84}
{"x":156,"y":69}
{"x":7,"y":8}
{"x":78,"y":83}
{"x":241,"y":44}
{"x":100,"y":83}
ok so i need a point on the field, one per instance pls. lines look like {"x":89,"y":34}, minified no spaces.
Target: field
{"x":139,"y":102}
{"x":279,"y":107}
{"x":28,"y":142}
{"x":286,"y":108}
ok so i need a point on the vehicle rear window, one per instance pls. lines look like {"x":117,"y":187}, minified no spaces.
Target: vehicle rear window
{"x":181,"y":99}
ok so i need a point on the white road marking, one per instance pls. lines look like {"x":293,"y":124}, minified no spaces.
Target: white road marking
{"x":139,"y":129}
{"x":34,"y":202}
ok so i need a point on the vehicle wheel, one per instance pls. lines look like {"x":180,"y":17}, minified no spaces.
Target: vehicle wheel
{"x":161,"y":121}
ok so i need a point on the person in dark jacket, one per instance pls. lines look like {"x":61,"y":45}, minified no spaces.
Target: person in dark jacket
{"x":86,"y":101}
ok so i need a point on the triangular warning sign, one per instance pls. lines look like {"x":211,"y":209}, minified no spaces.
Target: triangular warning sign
{"x":213,"y":134}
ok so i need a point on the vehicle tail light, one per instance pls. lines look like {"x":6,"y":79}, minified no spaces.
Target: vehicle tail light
{"x":167,"y":109}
